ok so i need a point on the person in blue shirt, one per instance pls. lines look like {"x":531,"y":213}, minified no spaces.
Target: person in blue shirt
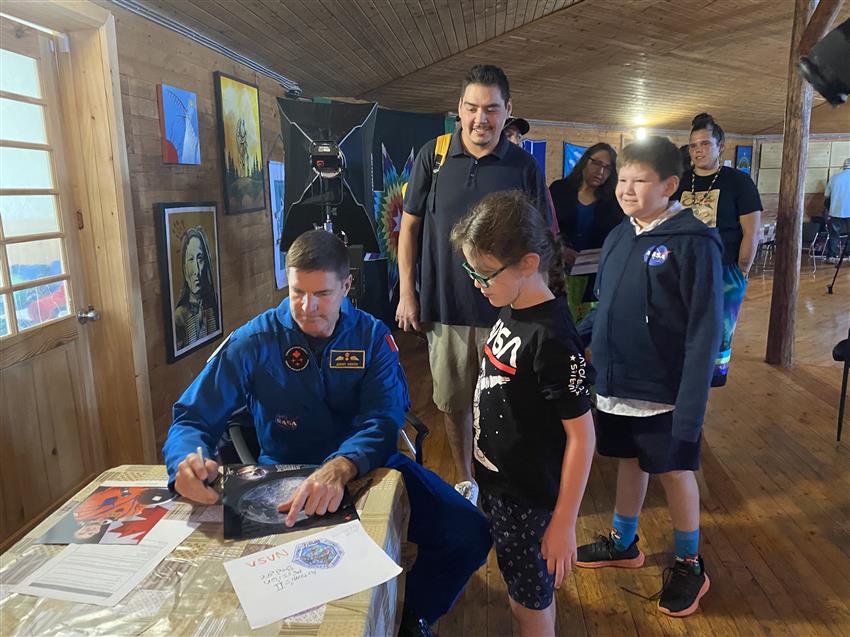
{"x":324,"y":386}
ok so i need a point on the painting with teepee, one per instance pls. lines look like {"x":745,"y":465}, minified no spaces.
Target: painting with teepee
{"x":178,"y":123}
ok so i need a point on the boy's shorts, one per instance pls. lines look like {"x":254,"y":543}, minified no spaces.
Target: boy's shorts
{"x":649,"y":439}
{"x":454,"y":354}
{"x":517,"y":534}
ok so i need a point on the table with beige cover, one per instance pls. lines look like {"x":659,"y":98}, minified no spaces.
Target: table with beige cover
{"x":189,"y":592}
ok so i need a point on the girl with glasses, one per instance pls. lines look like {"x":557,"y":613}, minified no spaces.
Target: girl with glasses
{"x":533,"y":432}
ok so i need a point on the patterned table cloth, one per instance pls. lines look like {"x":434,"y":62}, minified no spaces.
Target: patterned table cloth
{"x":189,"y":593}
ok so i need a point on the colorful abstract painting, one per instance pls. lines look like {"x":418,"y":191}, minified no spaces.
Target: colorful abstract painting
{"x":178,"y":125}
{"x":241,"y":150}
{"x":388,"y":209}
{"x":572,"y":153}
{"x":276,"y":184}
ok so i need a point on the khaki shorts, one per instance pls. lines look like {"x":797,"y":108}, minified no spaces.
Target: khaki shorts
{"x":454,"y":353}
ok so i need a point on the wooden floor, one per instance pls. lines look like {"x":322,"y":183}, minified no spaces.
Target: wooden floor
{"x":775,"y":498}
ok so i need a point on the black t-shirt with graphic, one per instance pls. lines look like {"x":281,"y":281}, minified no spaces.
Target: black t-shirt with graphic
{"x":533,"y":375}
{"x":733,"y":195}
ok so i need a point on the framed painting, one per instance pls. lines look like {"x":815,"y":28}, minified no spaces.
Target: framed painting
{"x":238,"y":106}
{"x":190,"y":276}
{"x":178,"y":125}
{"x":744,"y":158}
{"x":276,"y":184}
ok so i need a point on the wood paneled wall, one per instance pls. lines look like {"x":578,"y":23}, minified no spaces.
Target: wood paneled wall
{"x":149,"y":55}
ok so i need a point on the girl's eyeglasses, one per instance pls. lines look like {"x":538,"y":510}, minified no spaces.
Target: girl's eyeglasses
{"x":480,"y":278}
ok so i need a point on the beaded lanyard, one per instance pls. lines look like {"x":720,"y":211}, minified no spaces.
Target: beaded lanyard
{"x":694,"y":201}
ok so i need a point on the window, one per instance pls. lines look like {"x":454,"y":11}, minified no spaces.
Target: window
{"x":35,"y":285}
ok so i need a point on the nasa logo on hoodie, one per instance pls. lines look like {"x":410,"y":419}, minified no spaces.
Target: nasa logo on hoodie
{"x":657,"y":255}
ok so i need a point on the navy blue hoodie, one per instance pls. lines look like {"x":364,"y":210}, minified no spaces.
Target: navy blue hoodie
{"x":657,"y":328}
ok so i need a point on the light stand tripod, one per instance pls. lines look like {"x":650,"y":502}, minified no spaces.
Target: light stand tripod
{"x":838,"y":265}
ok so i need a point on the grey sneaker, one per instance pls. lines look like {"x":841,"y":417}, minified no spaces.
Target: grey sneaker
{"x":469,"y":490}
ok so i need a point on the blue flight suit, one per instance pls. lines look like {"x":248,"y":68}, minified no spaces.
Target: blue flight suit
{"x":350,"y":403}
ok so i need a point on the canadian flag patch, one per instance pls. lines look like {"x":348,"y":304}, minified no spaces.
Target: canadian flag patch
{"x":391,"y":342}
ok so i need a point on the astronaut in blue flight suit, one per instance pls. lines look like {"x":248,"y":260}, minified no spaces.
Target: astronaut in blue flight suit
{"x":324,"y":385}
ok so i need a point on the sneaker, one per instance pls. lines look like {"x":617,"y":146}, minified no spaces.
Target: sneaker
{"x":684,"y":585}
{"x":469,"y":490}
{"x":605,"y":552}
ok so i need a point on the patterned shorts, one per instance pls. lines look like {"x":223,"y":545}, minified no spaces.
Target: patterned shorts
{"x":517,"y":533}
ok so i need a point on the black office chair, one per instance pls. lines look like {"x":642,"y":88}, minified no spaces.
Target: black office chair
{"x":240,"y":444}
{"x":841,"y":353}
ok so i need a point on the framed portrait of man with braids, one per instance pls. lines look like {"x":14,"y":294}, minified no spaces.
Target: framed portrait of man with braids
{"x":189,"y":270}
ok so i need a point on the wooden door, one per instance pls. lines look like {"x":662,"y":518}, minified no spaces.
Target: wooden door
{"x":48,"y":419}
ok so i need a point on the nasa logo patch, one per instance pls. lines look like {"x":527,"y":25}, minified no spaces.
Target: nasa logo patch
{"x":296,"y":358}
{"x":285,"y":422}
{"x":657,"y":255}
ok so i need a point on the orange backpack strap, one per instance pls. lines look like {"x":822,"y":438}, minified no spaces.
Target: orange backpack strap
{"x":441,"y":150}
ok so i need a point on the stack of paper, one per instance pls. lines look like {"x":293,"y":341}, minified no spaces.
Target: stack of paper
{"x":94,"y":572}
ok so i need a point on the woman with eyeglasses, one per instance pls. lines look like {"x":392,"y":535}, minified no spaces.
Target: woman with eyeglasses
{"x":587,"y":211}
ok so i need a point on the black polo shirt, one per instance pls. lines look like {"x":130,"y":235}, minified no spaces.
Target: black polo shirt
{"x":446,"y":293}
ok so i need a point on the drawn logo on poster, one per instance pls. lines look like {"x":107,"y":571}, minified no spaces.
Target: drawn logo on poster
{"x":318,"y":554}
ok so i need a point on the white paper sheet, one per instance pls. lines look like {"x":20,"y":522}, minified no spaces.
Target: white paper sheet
{"x":316,"y":569}
{"x":103,"y":574}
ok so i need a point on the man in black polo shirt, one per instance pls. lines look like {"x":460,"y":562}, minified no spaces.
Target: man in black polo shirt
{"x":457,"y":318}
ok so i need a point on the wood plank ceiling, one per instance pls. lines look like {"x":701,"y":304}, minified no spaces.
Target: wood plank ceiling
{"x":611,"y":62}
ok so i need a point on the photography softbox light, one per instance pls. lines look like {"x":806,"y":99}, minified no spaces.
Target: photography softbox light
{"x":351,"y":127}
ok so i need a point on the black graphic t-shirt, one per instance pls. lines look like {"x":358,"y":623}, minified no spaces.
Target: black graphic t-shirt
{"x":733,"y":195}
{"x":533,"y":375}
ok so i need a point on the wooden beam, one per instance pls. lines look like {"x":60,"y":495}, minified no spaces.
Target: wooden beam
{"x":821,"y":22}
{"x":789,"y":221}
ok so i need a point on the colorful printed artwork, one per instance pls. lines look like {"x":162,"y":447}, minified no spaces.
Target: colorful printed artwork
{"x":322,"y":553}
{"x":744,"y":158}
{"x":241,"y":150}
{"x":572,"y":154}
{"x":178,"y":125}
{"x":112,"y":515}
{"x":189,"y":269}
{"x":276,"y":185}
{"x":388,"y":209}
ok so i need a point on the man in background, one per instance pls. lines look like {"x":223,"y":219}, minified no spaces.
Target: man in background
{"x":443,"y":186}
{"x":837,"y":204}
{"x":515,"y":129}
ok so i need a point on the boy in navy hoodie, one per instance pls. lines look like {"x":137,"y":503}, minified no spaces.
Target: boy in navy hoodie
{"x":655,"y":334}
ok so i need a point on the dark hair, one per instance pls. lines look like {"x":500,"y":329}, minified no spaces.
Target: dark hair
{"x":655,"y":151}
{"x":606,"y":190}
{"x":207,"y":291}
{"x":318,"y":251}
{"x":704,"y":121}
{"x":488,"y":75}
{"x":685,"y":152}
{"x":507,"y":226}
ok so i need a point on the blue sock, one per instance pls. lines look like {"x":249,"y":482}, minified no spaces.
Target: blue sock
{"x":686,"y":543}
{"x":626,"y":529}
